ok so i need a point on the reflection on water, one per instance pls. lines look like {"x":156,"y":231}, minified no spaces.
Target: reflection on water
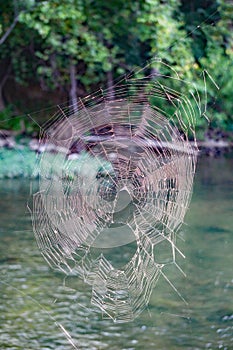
{"x":37,"y":302}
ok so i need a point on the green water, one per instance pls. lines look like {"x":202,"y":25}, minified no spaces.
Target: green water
{"x":37,"y":303}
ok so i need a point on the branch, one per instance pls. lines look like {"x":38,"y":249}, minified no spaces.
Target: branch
{"x":9,"y":30}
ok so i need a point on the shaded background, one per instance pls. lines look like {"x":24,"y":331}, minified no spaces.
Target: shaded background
{"x":56,"y":51}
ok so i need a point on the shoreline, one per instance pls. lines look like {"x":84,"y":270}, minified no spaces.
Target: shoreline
{"x":8,"y":140}
{"x":20,"y":158}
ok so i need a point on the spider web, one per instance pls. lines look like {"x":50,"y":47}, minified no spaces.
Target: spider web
{"x":122,"y":172}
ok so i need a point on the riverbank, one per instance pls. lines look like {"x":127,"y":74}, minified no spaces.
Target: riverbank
{"x":20,"y":156}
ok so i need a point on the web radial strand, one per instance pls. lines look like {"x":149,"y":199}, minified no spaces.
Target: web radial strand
{"x":121,"y":172}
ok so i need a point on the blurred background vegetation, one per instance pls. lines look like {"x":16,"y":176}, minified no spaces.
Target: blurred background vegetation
{"x":53,"y":51}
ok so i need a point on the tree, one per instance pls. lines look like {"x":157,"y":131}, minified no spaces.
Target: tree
{"x":67,"y":43}
{"x":74,"y":46}
{"x":218,"y":59}
{"x":15,"y":48}
{"x":212,"y":46}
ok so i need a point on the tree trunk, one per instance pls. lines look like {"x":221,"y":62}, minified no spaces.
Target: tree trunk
{"x":110,"y":85}
{"x":2,"y":83}
{"x":9,"y":30}
{"x":73,"y":88}
{"x":2,"y":103}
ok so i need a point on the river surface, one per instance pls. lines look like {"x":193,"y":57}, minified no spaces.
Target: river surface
{"x":40,"y":309}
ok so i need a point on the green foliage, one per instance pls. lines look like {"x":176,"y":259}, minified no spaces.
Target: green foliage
{"x":7,"y":121}
{"x":65,"y":36}
{"x":23,"y":162}
{"x":18,"y":124}
{"x":98,"y":37}
{"x":18,"y":163}
{"x":219,"y":62}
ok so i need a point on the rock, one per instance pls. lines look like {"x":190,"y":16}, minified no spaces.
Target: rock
{"x":7,"y":139}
